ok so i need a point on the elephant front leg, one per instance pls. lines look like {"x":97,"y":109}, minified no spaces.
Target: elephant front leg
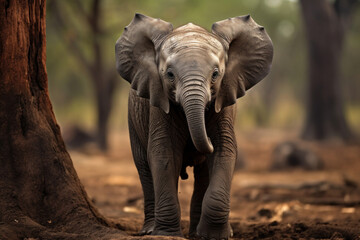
{"x":165,"y":173}
{"x":140,"y":159}
{"x":167,"y":209}
{"x":214,"y":221}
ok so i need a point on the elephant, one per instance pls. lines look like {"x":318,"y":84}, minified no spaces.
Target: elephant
{"x":181,"y":112}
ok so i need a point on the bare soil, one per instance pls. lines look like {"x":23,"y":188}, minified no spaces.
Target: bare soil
{"x":291,"y":204}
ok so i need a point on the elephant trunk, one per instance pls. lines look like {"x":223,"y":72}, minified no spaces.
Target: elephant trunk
{"x":194,"y":101}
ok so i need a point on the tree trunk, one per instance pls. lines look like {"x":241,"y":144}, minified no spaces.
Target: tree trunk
{"x":325,"y":109}
{"x":104,"y":83}
{"x":104,"y":96}
{"x":40,"y":193}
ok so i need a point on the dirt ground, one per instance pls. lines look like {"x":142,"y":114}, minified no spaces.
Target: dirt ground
{"x":290,"y":204}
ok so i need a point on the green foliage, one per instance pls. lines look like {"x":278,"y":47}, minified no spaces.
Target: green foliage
{"x":278,"y":101}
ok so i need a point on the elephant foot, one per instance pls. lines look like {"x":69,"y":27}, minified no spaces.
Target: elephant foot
{"x":214,"y":232}
{"x":147,"y":228}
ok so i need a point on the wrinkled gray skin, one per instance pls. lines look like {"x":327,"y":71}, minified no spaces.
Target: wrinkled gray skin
{"x":181,"y":113}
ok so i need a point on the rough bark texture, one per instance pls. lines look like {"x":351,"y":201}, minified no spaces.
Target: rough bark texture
{"x":325,"y":24}
{"x":40,"y":193}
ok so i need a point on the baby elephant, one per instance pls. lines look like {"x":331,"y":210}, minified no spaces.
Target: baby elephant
{"x":185,"y":82}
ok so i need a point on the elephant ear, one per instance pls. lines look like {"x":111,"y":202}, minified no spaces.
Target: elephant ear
{"x":136,"y":56}
{"x":250,"y":52}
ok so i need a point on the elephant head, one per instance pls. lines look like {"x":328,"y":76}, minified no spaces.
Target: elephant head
{"x":192,"y":67}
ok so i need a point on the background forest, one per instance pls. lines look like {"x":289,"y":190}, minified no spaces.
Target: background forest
{"x":81,"y":66}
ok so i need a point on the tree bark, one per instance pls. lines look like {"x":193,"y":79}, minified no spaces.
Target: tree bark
{"x":40,"y":193}
{"x":104,"y":96}
{"x":325,"y":36}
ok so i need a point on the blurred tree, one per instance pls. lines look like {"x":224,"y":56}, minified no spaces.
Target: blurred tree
{"x":325,"y":24}
{"x":41,"y":196}
{"x":102,"y":76}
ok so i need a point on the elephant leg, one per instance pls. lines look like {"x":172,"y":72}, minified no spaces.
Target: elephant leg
{"x":201,"y":175}
{"x":140,"y":158}
{"x":216,"y":203}
{"x":214,"y":221}
{"x":165,"y":169}
{"x":167,"y":208}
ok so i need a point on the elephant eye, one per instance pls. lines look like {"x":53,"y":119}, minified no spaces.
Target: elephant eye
{"x":170,"y":75}
{"x":215,"y":75}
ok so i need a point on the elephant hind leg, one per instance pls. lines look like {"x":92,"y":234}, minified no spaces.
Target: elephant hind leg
{"x":201,"y":175}
{"x":140,"y":159}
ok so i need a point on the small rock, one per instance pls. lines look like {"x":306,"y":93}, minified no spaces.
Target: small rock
{"x":76,"y":137}
{"x":290,"y":155}
{"x":349,"y":182}
{"x":274,"y":223}
{"x":264,"y":212}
